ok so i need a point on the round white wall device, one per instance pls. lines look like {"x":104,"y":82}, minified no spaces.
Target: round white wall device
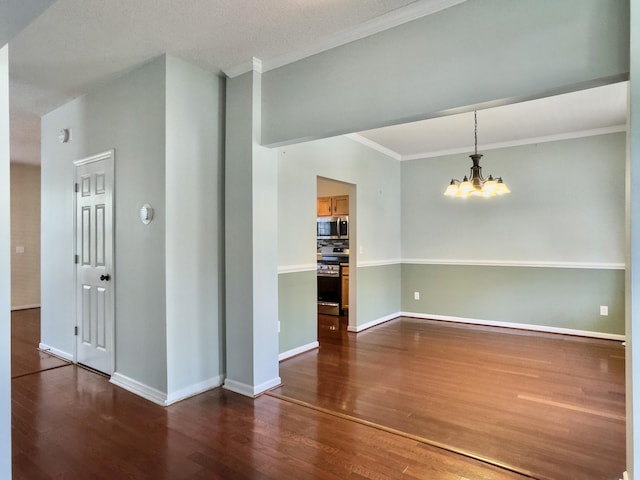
{"x":64,"y":135}
{"x":146,"y":214}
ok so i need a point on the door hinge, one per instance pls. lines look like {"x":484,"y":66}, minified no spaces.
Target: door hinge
{"x":76,"y":259}
{"x":76,"y":187}
{"x":75,"y":331}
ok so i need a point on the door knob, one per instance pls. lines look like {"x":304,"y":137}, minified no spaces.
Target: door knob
{"x":106,"y":277}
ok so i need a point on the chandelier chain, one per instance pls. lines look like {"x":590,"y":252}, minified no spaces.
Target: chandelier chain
{"x":475,"y":132}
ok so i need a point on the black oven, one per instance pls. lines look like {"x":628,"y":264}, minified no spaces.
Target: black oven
{"x":329,"y":288}
{"x":330,"y":279}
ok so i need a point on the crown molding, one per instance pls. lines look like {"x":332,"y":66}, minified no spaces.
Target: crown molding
{"x":488,"y":146}
{"x":518,"y":143}
{"x":373,"y":145}
{"x":253,"y":65}
{"x":411,"y":12}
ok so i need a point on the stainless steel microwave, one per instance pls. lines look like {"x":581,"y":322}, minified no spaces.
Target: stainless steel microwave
{"x":333,"y":228}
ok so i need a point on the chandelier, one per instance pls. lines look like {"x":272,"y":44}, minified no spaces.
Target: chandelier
{"x":476,"y":184}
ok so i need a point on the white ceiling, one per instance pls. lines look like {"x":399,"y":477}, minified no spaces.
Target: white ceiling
{"x":76,"y":46}
{"x":581,"y":113}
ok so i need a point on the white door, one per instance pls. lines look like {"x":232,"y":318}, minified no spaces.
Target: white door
{"x":94,"y":262}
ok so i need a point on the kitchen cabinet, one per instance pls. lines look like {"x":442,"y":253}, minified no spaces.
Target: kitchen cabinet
{"x":333,"y":206}
{"x":324,"y":206}
{"x":345,"y":287}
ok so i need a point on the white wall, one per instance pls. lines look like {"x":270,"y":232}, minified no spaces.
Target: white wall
{"x":5,"y":272}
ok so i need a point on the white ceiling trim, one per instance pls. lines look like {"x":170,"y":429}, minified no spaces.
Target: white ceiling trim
{"x":489,"y":146}
{"x":374,"y":145}
{"x":392,"y":19}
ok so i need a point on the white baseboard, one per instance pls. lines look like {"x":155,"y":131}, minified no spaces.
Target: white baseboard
{"x":140,"y":389}
{"x":373,"y":323}
{"x":249,"y":390}
{"x":56,"y":352}
{"x":161,"y":398}
{"x":520,"y":326}
{"x":298,"y":351}
{"x":195,"y":389}
{"x":25,"y":307}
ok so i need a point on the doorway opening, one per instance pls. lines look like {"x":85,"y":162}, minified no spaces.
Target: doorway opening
{"x":336,"y":235}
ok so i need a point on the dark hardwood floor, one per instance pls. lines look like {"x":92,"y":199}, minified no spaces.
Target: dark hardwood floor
{"x":25,"y":337}
{"x":550,"y":406}
{"x":376,"y":406}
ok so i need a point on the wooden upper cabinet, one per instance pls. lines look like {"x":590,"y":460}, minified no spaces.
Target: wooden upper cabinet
{"x":330,"y":206}
{"x":340,"y":205}
{"x":324,"y":206}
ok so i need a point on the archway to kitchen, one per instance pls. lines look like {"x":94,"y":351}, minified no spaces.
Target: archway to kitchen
{"x":336,"y":254}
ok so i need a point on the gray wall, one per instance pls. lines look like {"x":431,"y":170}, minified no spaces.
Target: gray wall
{"x":566,"y":210}
{"x":164,"y":122}
{"x":567,"y":298}
{"x":478,"y":51}
{"x":5,"y":271}
{"x":194,"y":226}
{"x":633,"y":251}
{"x":374,"y":180}
{"x":251,"y":243}
{"x":238,"y":228}
{"x":543,"y":255}
{"x":128,"y":115}
{"x":566,"y":205}
{"x":297,"y":311}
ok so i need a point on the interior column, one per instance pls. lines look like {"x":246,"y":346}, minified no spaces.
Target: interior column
{"x":251,"y":244}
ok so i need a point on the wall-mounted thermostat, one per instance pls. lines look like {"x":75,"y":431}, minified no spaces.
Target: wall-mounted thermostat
{"x":146,"y":214}
{"x":64,"y":135}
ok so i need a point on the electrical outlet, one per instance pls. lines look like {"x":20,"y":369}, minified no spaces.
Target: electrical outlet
{"x":278,"y":326}
{"x":416,"y":295}
{"x":604,"y":310}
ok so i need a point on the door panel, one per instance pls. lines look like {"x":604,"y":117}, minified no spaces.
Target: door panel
{"x":94,"y":270}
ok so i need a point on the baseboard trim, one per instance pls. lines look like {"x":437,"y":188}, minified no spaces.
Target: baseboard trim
{"x":519,"y":326}
{"x":25,"y":307}
{"x":297,"y":351}
{"x":250,"y":390}
{"x":195,"y":389}
{"x":140,"y":389}
{"x":373,"y":323}
{"x":54,"y":351}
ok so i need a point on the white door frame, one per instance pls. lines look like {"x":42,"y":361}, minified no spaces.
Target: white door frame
{"x":107,"y":155}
